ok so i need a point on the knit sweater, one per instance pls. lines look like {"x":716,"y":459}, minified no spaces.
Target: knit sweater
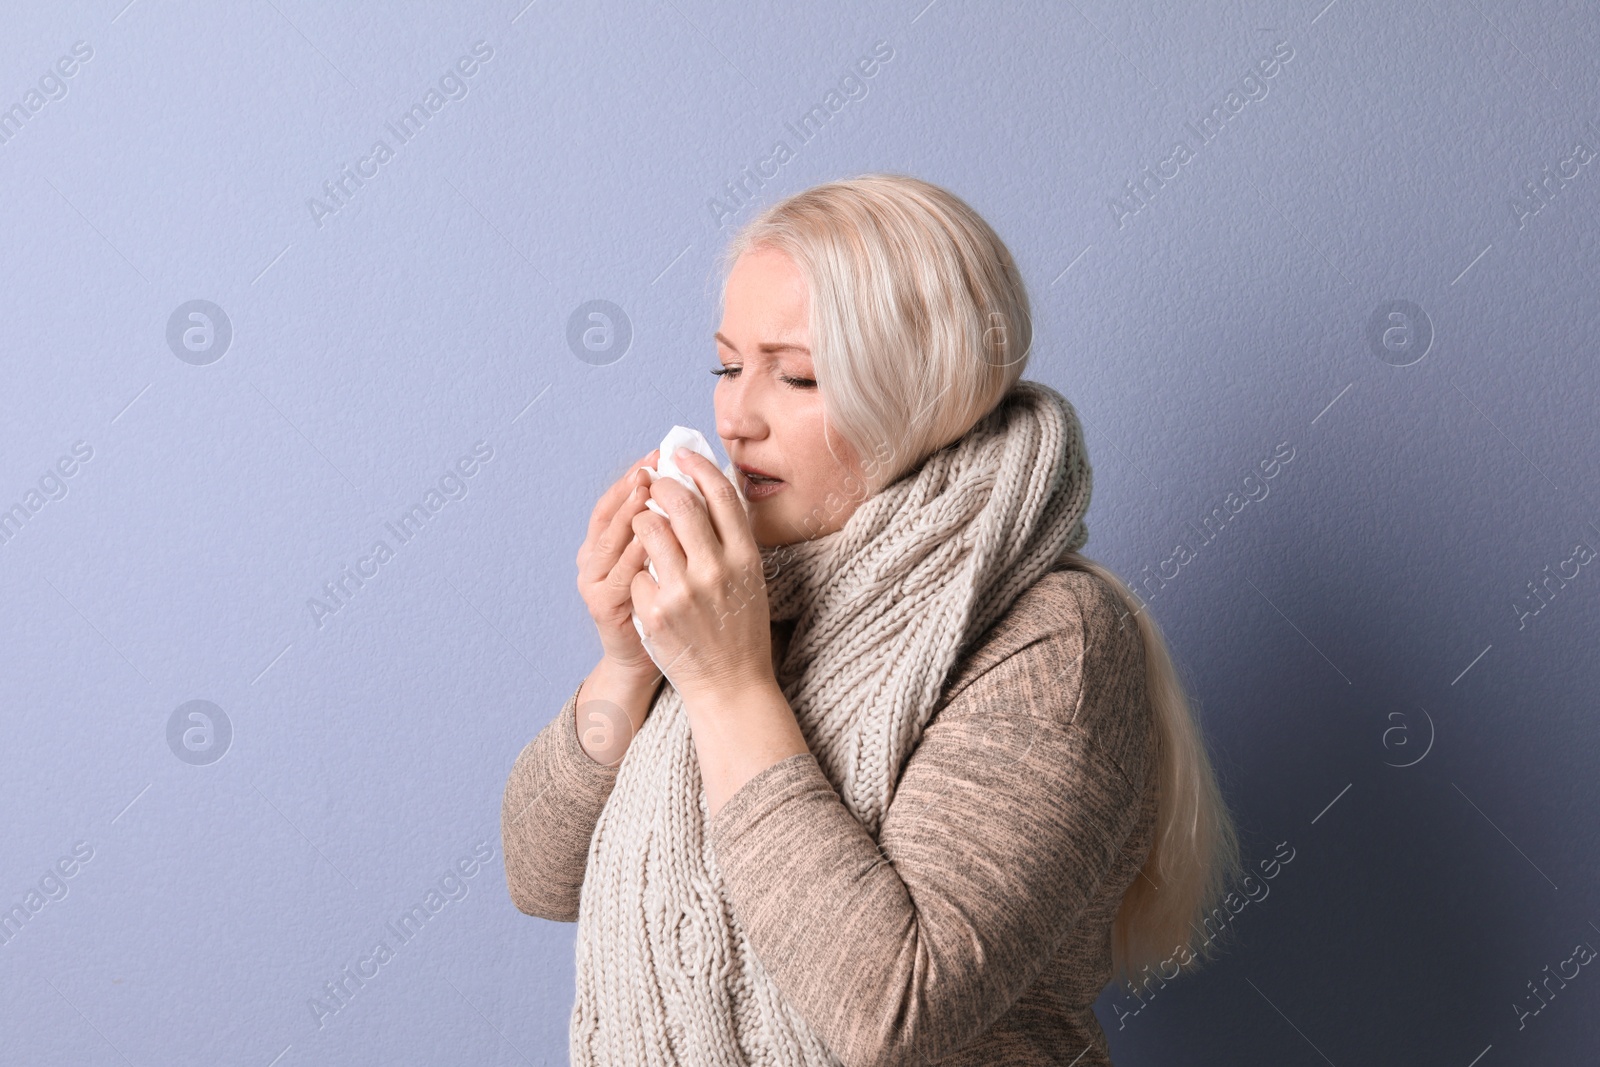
{"x":976,"y":928}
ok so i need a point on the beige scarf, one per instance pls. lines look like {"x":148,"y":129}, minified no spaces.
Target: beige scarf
{"x":883,"y":608}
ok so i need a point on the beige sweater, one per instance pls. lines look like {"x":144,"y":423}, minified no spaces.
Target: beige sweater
{"x":976,"y":929}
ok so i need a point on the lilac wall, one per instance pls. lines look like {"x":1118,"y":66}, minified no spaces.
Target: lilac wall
{"x":1334,"y":357}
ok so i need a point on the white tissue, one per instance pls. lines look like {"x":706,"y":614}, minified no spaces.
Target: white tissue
{"x":677,"y":437}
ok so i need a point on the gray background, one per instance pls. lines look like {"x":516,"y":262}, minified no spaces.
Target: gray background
{"x":1359,"y":612}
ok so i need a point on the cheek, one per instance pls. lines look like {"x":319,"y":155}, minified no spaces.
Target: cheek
{"x":821,"y":504}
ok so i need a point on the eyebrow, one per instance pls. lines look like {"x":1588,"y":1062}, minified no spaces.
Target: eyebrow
{"x":766,"y":346}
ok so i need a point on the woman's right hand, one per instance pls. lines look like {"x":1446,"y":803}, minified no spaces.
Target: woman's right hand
{"x":607,"y":561}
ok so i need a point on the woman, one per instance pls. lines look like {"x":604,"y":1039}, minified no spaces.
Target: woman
{"x":922,"y":779}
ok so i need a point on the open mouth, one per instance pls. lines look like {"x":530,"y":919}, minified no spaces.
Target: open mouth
{"x":758,"y":486}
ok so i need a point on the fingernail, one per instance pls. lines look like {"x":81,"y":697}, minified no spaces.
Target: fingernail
{"x":681,"y":454}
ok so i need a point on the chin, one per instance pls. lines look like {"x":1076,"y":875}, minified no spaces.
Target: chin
{"x":769,"y":531}
{"x":766,"y":538}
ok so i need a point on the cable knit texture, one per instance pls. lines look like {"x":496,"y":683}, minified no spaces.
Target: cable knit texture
{"x":698,"y":941}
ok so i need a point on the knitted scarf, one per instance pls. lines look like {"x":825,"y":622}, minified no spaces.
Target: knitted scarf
{"x":882,"y":608}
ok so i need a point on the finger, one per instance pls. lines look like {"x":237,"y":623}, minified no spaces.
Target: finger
{"x":728,"y":519}
{"x":690,"y":522}
{"x":661,"y":545}
{"x":613,"y":540}
{"x":631,"y":562}
{"x":643,"y":590}
{"x":634,"y":557}
{"x":605,"y":508}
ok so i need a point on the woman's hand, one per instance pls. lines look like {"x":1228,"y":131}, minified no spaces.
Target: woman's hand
{"x":609,"y":560}
{"x":705,"y":616}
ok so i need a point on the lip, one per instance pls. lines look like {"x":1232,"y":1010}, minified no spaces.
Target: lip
{"x":755,"y":491}
{"x":756,"y":471}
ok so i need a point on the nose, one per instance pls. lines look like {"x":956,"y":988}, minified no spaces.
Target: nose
{"x":740,"y":409}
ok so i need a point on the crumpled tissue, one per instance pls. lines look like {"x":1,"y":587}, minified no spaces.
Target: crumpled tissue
{"x":667,"y":467}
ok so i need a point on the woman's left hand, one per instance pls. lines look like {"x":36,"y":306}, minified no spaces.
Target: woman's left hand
{"x":705,"y":616}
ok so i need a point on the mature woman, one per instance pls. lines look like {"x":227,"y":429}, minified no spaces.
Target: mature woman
{"x":921,"y":779}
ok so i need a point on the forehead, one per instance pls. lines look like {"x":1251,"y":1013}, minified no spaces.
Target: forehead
{"x":765,"y":302}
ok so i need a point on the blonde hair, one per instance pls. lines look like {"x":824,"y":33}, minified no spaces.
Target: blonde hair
{"x":920,"y":324}
{"x":907,"y":285}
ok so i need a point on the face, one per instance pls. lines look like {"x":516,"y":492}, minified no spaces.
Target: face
{"x":769,"y":409}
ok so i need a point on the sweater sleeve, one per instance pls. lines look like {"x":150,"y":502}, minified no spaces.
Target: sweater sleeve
{"x":1011,"y":810}
{"x":552,"y":801}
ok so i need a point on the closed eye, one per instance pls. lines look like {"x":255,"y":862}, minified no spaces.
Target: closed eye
{"x":798,"y":383}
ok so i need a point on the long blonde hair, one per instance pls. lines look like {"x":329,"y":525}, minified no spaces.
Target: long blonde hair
{"x":920,"y":324}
